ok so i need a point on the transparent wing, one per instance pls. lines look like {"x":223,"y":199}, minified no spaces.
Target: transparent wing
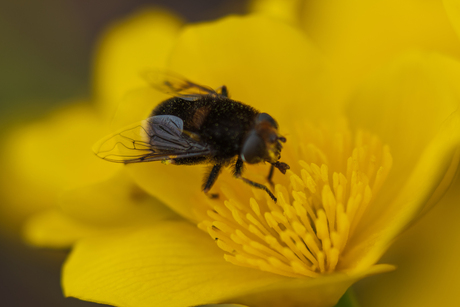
{"x":176,"y":85}
{"x":156,"y":138}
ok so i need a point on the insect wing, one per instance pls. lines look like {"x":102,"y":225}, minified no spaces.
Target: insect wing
{"x":156,"y":138}
{"x":167,"y":135}
{"x":128,"y":144}
{"x":175,"y":85}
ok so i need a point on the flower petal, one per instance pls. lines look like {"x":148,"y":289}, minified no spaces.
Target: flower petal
{"x":128,"y":48}
{"x":409,"y":203}
{"x":453,"y":11}
{"x":42,"y":159}
{"x":175,"y":264}
{"x":406,"y":103}
{"x":427,"y":259}
{"x":114,"y":205}
{"x":360,"y":36}
{"x":53,"y":229}
{"x":286,"y":10}
{"x":114,"y":202}
{"x":177,"y":186}
{"x":263,"y":62}
{"x":412,"y":107}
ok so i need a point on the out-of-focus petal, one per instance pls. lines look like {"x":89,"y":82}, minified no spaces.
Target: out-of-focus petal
{"x":53,"y":229}
{"x":360,"y":36}
{"x":42,"y":159}
{"x":162,"y":266}
{"x":105,"y":207}
{"x":427,"y":259}
{"x":141,"y":42}
{"x":453,"y":11}
{"x":263,"y":62}
{"x":117,"y":201}
{"x":286,"y":10}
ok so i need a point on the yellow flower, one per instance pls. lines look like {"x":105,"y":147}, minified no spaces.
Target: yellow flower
{"x":362,"y":171}
{"x":428,"y":252}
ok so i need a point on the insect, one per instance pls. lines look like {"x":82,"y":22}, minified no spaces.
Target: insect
{"x":199,"y":125}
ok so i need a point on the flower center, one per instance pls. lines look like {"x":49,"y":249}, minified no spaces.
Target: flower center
{"x":335,"y":181}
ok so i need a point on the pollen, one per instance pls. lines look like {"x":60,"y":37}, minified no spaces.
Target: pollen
{"x":334,"y":178}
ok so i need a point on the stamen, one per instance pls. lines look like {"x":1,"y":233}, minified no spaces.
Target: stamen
{"x":336,"y":179}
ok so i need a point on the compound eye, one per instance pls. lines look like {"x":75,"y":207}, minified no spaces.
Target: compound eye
{"x":253,"y":149}
{"x":267,"y":118}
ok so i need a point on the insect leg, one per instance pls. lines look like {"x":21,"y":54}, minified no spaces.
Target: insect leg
{"x":237,"y":172}
{"x":223,"y":91}
{"x":259,"y":186}
{"x":270,"y":176}
{"x":211,"y":178}
{"x":283,"y":167}
{"x":238,"y":168}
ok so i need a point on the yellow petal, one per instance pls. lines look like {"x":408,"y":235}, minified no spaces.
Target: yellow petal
{"x":114,"y":205}
{"x":453,"y":11}
{"x":410,"y":201}
{"x":175,"y":264}
{"x":406,"y":103}
{"x":286,"y":10}
{"x":43,"y":158}
{"x":263,"y":62}
{"x":361,"y":36}
{"x":177,"y":186}
{"x":114,"y":202}
{"x":412,"y":108}
{"x":142,"y":41}
{"x":427,"y":259}
{"x":53,"y":229}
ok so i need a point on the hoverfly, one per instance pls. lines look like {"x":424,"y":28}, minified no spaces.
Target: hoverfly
{"x":199,"y":125}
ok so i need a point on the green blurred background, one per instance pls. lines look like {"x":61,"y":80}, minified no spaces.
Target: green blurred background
{"x":46,"y":52}
{"x":47,"y":46}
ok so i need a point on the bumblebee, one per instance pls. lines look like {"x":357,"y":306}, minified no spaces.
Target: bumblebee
{"x":199,"y":125}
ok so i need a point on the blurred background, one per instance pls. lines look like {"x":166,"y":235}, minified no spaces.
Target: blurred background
{"x":46,"y":55}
